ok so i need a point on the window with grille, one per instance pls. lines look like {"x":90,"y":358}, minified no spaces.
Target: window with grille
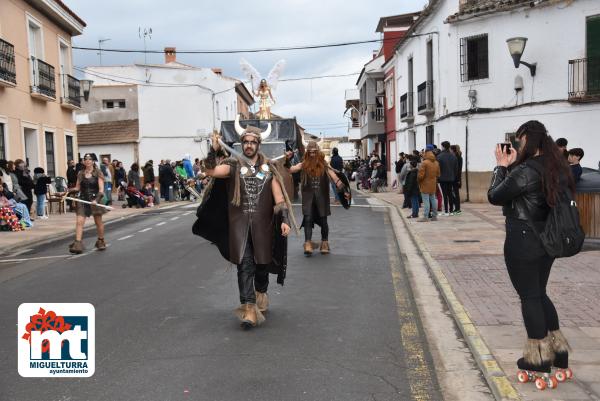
{"x":474,"y":62}
{"x":50,"y":162}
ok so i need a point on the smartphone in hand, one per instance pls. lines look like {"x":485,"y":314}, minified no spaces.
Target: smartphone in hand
{"x":507,"y":146}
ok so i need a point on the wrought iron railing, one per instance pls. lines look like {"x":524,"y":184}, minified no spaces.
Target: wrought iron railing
{"x":425,"y":96}
{"x":379,"y":114}
{"x":44,"y":81}
{"x":584,"y":79}
{"x":71,"y":90}
{"x":7,"y":62}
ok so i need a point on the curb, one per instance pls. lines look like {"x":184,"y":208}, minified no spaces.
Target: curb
{"x":62,"y":235}
{"x":497,"y":381}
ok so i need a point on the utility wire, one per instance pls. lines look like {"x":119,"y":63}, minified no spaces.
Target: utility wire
{"x":233,"y":51}
{"x":134,"y":81}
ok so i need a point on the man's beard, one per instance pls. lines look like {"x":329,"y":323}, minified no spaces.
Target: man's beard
{"x":250,"y":152}
{"x":314,"y":166}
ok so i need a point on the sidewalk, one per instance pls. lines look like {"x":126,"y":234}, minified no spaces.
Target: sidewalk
{"x":465,"y":254}
{"x":59,"y":226}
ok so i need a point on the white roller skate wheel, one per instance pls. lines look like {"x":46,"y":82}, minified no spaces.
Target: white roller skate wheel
{"x":569,"y":373}
{"x":540,"y":384}
{"x":560,"y":375}
{"x":522,"y":376}
{"x":552,"y":382}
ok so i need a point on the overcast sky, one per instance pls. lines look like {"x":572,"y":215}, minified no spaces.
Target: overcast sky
{"x":233,"y":24}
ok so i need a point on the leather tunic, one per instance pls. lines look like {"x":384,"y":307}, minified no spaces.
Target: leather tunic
{"x":254,"y":215}
{"x":315,"y":195}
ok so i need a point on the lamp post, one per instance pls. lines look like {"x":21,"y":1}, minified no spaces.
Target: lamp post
{"x":86,"y":87}
{"x":516,"y":47}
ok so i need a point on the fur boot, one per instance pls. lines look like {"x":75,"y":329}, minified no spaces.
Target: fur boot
{"x":561,"y":349}
{"x":537,"y":355}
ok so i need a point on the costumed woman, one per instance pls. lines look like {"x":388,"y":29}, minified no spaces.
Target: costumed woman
{"x":314,"y":181}
{"x":246,"y":212}
{"x":90,"y":183}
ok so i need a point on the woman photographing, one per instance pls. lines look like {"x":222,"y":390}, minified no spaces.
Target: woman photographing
{"x":90,"y":182}
{"x":527,"y":184}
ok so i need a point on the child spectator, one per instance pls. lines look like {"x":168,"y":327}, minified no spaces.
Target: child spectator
{"x":575,"y":156}
{"x":148,"y":192}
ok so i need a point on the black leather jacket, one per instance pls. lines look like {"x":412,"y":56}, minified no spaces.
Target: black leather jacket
{"x":519,"y":192}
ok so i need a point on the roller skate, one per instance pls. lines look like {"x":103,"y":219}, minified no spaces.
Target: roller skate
{"x":536,"y":364}
{"x":561,"y":348}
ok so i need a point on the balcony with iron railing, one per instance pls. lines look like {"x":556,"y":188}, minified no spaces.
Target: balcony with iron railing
{"x":43,"y":80}
{"x":425,"y":98}
{"x":379,"y":114}
{"x":8,"y":75}
{"x":406,"y":107}
{"x":71,"y":89}
{"x":584,"y":80}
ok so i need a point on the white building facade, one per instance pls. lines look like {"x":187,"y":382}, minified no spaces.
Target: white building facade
{"x":178,"y":107}
{"x":456,"y":81}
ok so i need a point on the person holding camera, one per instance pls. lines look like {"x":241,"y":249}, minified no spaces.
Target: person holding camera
{"x":527,"y":184}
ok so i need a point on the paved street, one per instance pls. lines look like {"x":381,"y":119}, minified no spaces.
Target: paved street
{"x":344,"y":327}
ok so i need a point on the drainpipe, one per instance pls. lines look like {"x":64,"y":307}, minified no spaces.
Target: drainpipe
{"x":467,"y":157}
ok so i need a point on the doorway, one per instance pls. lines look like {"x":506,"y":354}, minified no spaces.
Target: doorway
{"x":30,"y":137}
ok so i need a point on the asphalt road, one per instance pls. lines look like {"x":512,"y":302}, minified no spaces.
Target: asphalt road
{"x":344,"y":326}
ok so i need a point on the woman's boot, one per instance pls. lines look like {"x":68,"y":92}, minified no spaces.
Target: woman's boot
{"x":536,"y":363}
{"x":76,"y":247}
{"x":561,"y":348}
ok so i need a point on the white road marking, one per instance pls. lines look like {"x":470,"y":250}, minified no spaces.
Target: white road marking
{"x":161,"y":223}
{"x":22,"y":251}
{"x":187,"y":213}
{"x":34,"y":258}
{"x":145,"y":229}
{"x":125,"y":237}
{"x":174,"y":218}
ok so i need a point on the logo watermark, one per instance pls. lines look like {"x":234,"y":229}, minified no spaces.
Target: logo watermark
{"x":56,"y":340}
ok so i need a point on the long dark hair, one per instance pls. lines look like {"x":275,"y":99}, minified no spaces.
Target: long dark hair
{"x":555,"y":167}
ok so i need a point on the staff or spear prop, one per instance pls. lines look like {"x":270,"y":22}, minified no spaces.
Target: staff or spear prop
{"x":87,"y":203}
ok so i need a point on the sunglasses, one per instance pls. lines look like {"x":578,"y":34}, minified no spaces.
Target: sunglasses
{"x":250,"y":143}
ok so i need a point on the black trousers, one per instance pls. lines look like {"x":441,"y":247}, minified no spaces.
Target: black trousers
{"x":309,"y":221}
{"x":251,"y":276}
{"x":456,"y":190}
{"x":529,"y":268}
{"x":448,"y":194}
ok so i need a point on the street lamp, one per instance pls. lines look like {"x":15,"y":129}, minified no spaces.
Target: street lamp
{"x":86,"y":87}
{"x":516,"y":46}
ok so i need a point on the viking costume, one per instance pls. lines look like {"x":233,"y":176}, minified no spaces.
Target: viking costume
{"x":316,"y":208}
{"x":238,"y":214}
{"x":89,"y":191}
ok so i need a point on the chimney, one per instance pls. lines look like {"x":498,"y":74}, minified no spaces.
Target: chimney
{"x":170,"y":55}
{"x":375,"y":53}
{"x":218,"y":71}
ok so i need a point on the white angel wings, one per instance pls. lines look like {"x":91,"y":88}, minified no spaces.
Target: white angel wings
{"x":254,"y":76}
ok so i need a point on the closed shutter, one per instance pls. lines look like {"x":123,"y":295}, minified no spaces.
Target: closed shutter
{"x":593,"y":54}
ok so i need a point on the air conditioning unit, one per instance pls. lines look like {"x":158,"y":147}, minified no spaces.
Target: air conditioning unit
{"x":380,"y":87}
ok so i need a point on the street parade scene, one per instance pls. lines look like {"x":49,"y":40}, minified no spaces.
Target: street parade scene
{"x":300,"y":200}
